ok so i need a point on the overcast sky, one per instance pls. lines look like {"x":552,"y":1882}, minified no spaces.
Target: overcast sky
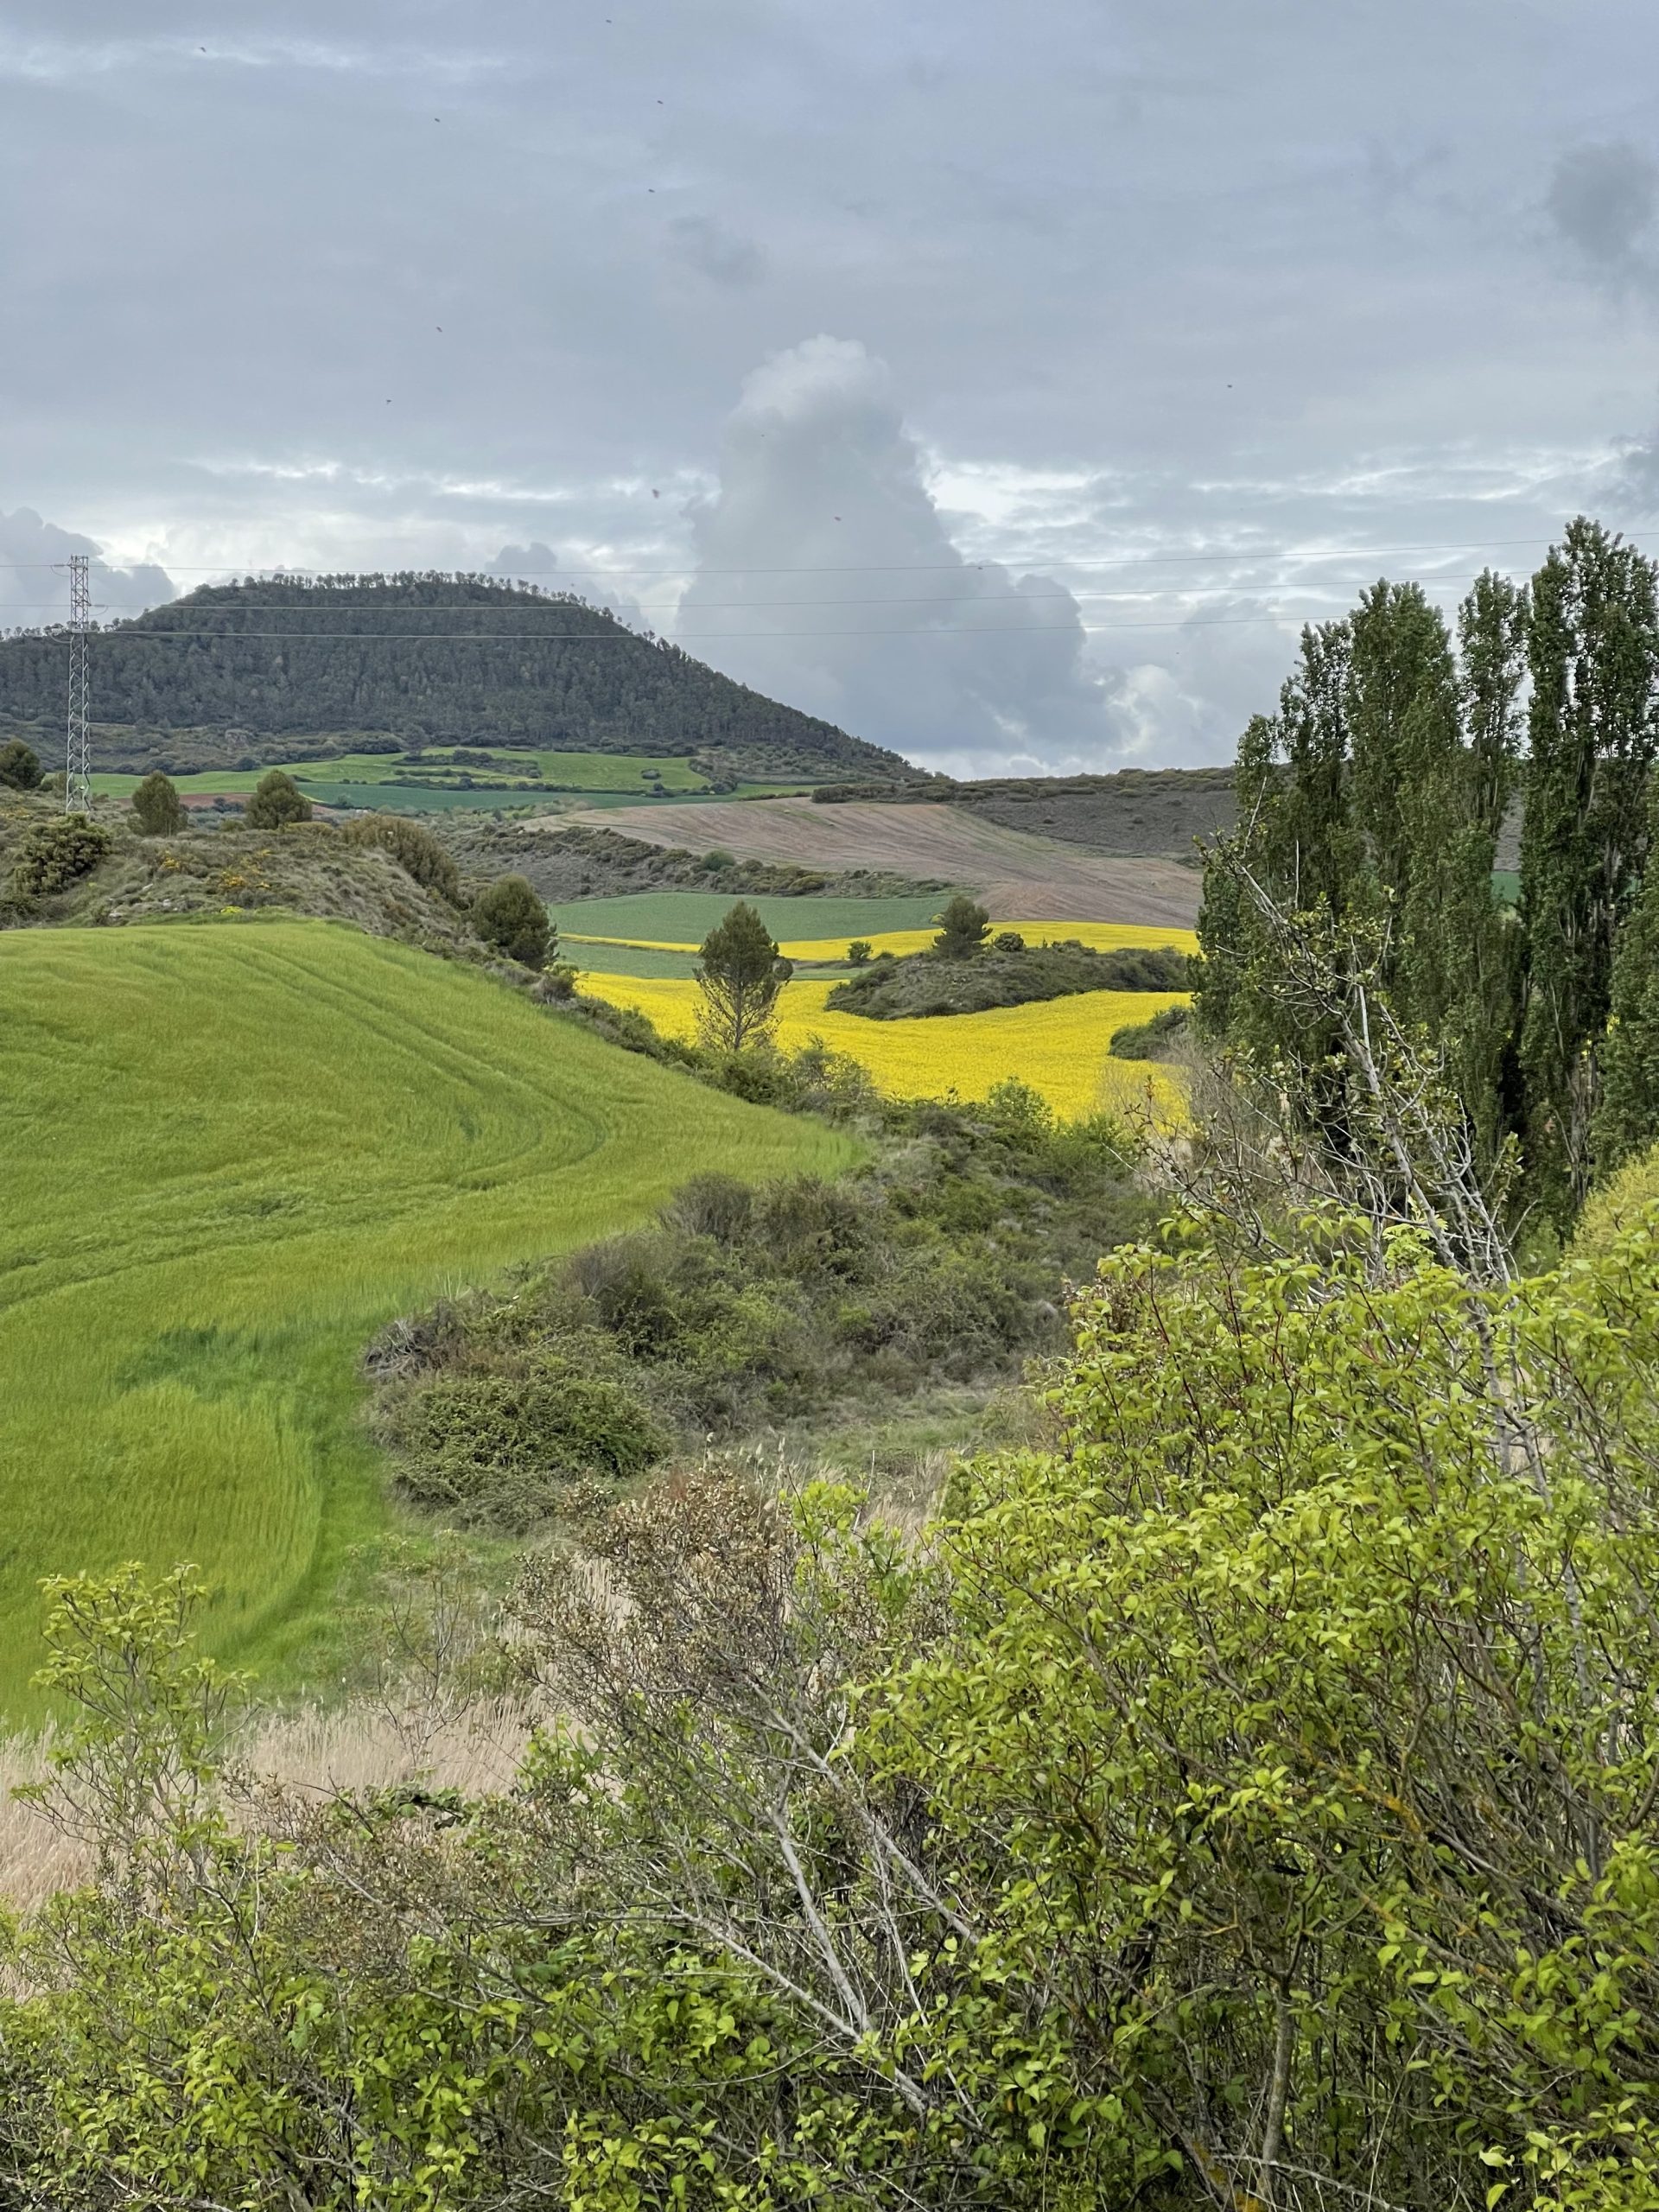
{"x":1006,"y":382}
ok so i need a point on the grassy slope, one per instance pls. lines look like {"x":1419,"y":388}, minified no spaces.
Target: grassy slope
{"x":232,"y":1152}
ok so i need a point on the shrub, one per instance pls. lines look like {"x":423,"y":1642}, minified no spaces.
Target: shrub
{"x":503,"y":1447}
{"x":20,"y":766}
{"x":414,"y":847}
{"x":858,"y":952}
{"x":717,"y":861}
{"x":1156,"y":1040}
{"x":711,"y":1206}
{"x":1009,"y":941}
{"x":158,"y":806}
{"x":58,"y":853}
{"x":277,"y":800}
{"x":513,"y":922}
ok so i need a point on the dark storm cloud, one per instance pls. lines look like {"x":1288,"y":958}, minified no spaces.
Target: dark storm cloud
{"x":1192,"y":313}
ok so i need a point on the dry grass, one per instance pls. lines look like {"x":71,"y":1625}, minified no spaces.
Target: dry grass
{"x":308,"y":1753}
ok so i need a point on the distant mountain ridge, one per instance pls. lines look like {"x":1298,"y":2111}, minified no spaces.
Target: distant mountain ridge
{"x":424,"y":657}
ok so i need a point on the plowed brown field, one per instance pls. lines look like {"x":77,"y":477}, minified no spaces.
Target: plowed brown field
{"x":1012,"y":871}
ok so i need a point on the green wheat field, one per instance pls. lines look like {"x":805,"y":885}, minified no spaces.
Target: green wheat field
{"x":231,"y":1152}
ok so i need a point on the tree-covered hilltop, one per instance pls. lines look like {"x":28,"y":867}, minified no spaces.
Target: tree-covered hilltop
{"x":423,"y":656}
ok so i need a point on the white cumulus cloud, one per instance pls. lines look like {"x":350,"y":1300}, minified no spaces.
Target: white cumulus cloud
{"x":826,"y":575}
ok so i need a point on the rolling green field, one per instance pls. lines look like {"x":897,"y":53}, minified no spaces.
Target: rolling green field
{"x":433,"y":784}
{"x":232,"y":1151}
{"x":687,"y":917}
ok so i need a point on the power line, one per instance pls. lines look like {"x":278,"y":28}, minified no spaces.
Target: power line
{"x":276,"y":574}
{"x":835,"y":599}
{"x":631,"y":638}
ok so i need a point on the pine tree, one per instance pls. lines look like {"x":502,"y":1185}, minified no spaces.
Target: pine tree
{"x":1594,"y":658}
{"x":739,"y":975}
{"x":963,"y":927}
{"x":20,"y":765}
{"x":158,"y":806}
{"x":512,"y":921}
{"x":277,"y":800}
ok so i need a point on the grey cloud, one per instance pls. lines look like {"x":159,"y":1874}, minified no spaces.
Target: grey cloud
{"x":35,"y":582}
{"x":715,"y":251}
{"x":827,"y":576}
{"x":1602,"y":200}
{"x":442,"y":277}
{"x":534,"y":563}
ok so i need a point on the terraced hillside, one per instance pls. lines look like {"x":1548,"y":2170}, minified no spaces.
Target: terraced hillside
{"x":232,"y":1151}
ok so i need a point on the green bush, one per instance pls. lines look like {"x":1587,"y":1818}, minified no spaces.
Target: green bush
{"x":1004,"y":973}
{"x":158,"y":806}
{"x":277,"y":800}
{"x":57,"y":853}
{"x":512,"y":921}
{"x":414,"y":847}
{"x":1156,"y":1040}
{"x":858,"y":952}
{"x":504,"y":1448}
{"x":20,"y":766}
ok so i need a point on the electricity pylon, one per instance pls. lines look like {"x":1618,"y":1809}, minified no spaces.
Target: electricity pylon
{"x":77,"y":773}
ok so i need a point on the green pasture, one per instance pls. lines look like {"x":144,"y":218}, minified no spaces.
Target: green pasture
{"x":687,"y":917}
{"x":649,"y":961}
{"x":434,"y":783}
{"x":232,"y":1151}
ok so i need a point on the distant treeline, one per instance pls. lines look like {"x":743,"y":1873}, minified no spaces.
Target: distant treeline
{"x":416,"y":655}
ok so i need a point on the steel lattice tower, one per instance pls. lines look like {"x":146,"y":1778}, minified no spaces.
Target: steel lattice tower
{"x":77,"y":775}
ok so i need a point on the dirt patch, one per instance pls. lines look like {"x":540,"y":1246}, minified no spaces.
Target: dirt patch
{"x":1015,"y":872}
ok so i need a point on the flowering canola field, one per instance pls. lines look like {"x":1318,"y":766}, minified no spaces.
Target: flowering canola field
{"x":1058,"y":1045}
{"x":1100,"y":936}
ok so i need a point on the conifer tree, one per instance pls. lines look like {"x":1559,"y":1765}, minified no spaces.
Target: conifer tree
{"x":158,"y":806}
{"x":740,"y":976}
{"x":1594,"y":660}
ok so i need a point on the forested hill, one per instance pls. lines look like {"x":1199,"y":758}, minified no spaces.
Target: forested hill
{"x":428,"y":656}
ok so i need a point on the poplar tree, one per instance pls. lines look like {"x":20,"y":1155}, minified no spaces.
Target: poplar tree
{"x":1593,"y":655}
{"x":1627,"y":1116}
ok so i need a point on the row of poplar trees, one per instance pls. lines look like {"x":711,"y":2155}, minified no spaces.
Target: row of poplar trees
{"x":1373,"y":801}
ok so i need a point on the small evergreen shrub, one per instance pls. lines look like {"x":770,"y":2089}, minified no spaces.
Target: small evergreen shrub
{"x":512,"y":921}
{"x":277,"y":800}
{"x":414,"y":847}
{"x":158,"y":806}
{"x":20,"y":766}
{"x":58,"y":853}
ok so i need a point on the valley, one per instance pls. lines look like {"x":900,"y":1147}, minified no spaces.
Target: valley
{"x":235,"y":1150}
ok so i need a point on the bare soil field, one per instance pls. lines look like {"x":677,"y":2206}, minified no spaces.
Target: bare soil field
{"x":1011,"y":870}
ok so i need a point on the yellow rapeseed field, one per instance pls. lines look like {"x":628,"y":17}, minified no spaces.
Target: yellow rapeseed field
{"x":1058,"y":1045}
{"x":1100,"y":936}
